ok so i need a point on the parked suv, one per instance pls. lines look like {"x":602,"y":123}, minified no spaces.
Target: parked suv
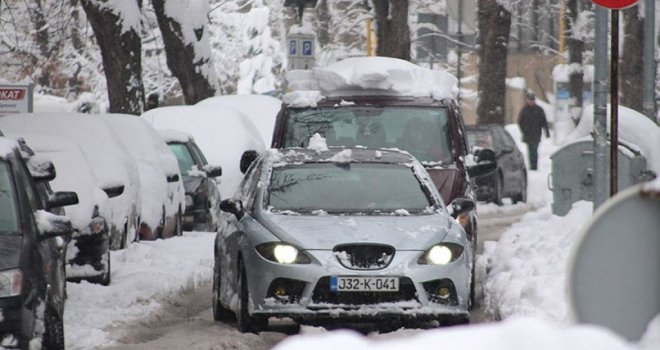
{"x":386,"y":103}
{"x":31,"y":283}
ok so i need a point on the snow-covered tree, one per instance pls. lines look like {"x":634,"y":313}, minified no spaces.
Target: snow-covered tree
{"x":494,"y":27}
{"x":117,"y":27}
{"x":185,"y":34}
{"x":392,"y":28}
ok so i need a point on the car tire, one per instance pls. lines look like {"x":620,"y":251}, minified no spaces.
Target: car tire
{"x":245,"y":322}
{"x":104,"y":279}
{"x":53,"y":337}
{"x":220,"y":313}
{"x":497,"y":197}
{"x":178,"y":228}
{"x":522,"y":196}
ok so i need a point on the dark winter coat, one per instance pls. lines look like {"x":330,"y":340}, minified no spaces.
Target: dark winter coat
{"x":531,"y":121}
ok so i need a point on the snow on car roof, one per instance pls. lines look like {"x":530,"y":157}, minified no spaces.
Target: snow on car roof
{"x":222,"y":133}
{"x":170,"y":135}
{"x":260,"y":109}
{"x":373,"y":75}
{"x":73,"y":173}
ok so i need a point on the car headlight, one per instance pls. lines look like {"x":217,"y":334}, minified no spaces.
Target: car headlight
{"x":283,"y":253}
{"x":189,"y":200}
{"x":441,"y":254}
{"x":10,"y":282}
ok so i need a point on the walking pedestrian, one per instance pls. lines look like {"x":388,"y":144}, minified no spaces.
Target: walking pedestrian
{"x":532,"y":122}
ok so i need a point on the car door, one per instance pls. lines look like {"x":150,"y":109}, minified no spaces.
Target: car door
{"x":510,"y":160}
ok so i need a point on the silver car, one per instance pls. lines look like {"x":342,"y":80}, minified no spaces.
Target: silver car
{"x":350,"y":234}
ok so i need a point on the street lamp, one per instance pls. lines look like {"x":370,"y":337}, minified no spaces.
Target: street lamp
{"x":300,"y":6}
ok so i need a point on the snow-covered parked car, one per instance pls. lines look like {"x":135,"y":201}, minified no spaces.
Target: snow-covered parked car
{"x":88,"y":254}
{"x":340,"y":233}
{"x":222,"y":133}
{"x":260,"y":109}
{"x":110,"y":162}
{"x":202,"y":197}
{"x":161,"y":186}
{"x":31,"y":282}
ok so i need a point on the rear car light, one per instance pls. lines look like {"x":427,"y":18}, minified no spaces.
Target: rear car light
{"x":10,"y":282}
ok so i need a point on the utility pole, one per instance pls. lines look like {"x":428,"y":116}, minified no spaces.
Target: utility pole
{"x":648,"y":79}
{"x":600,"y":109}
{"x":459,"y":34}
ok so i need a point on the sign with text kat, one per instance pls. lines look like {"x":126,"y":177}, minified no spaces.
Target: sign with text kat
{"x":15,"y":99}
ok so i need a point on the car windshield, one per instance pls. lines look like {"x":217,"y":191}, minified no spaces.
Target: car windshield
{"x":8,"y":213}
{"x":479,"y":138}
{"x":346,"y":188}
{"x":183,"y":156}
{"x":424,"y":132}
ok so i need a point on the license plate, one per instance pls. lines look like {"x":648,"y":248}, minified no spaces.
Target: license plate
{"x":363,"y":284}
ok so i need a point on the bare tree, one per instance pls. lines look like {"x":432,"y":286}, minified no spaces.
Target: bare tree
{"x":121,"y":49}
{"x":393,"y":32}
{"x":494,"y":27}
{"x":193,"y":70}
{"x":631,"y":60}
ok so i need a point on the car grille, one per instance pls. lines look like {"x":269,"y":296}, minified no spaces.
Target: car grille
{"x":323,"y":295}
{"x":364,"y":256}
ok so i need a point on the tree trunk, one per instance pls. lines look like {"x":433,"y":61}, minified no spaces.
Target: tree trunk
{"x":121,"y":51}
{"x":575,"y":48}
{"x":631,"y":66}
{"x":194,"y":73}
{"x":77,"y":42}
{"x":392,"y":31}
{"x":324,"y":18}
{"x":494,"y":26}
{"x":43,"y":42}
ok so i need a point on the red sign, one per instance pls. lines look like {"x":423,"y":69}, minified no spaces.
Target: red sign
{"x":615,"y":4}
{"x":12,"y":94}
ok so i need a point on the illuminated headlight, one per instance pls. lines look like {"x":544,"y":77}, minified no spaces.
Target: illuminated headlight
{"x":441,"y":254}
{"x":283,"y":253}
{"x":10,"y":282}
{"x":189,"y":201}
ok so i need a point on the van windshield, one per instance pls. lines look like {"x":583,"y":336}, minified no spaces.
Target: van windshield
{"x":423,"y":132}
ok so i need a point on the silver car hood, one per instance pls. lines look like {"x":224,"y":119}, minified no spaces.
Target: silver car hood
{"x":415,"y":232}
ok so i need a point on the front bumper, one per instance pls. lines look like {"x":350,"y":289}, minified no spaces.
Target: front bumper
{"x":309,"y":296}
{"x":194,"y":217}
{"x":485,"y":188}
{"x":87,"y":256}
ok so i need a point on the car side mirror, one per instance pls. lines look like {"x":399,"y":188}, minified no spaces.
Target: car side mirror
{"x":232,"y":207}
{"x":247,"y":158}
{"x":213,"y":171}
{"x":485,"y":162}
{"x":114,"y":191}
{"x":461,"y":205}
{"x":506,"y":150}
{"x":41,"y":169}
{"x":62,"y":199}
{"x":173,"y":178}
{"x":51,"y":225}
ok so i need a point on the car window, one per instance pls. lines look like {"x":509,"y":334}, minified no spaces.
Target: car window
{"x":8,"y":212}
{"x":183,"y":157}
{"x":424,"y":132}
{"x":199,"y":154}
{"x":366,"y":188}
{"x":480,"y":138}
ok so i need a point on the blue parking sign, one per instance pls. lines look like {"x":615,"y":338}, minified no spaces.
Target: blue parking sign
{"x":293,"y":47}
{"x":307,"y":48}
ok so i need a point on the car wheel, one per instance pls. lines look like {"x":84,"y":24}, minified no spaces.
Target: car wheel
{"x":246,"y":322}
{"x":220,"y":313}
{"x":522,"y":196}
{"x":178,"y":230}
{"x":497,"y":197}
{"x":105,"y":277}
{"x":53,"y":338}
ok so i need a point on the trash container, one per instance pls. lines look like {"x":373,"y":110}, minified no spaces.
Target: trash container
{"x":571,"y":179}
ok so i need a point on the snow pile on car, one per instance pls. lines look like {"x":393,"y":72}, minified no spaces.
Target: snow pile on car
{"x":373,"y":75}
